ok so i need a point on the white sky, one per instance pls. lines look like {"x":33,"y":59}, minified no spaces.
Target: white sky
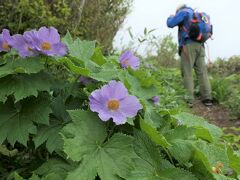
{"x":224,"y":14}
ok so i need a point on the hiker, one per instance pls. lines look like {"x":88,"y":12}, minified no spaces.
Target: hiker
{"x":191,"y":50}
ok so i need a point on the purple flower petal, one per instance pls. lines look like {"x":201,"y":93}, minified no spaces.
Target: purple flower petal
{"x":156,"y":100}
{"x":87,"y":80}
{"x":114,"y":90}
{"x":49,"y":35}
{"x":130,"y":106}
{"x":46,"y":41}
{"x":120,"y":119}
{"x":113,"y":101}
{"x":20,"y":44}
{"x":104,"y":116}
{"x":5,"y":40}
{"x":127,"y":59}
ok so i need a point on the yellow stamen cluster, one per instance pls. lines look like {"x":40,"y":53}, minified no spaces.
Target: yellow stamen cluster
{"x":5,"y":46}
{"x":113,"y":105}
{"x":126,"y":62}
{"x":46,"y":46}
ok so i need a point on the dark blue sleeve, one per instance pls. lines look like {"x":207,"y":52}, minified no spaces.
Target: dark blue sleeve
{"x":173,"y":21}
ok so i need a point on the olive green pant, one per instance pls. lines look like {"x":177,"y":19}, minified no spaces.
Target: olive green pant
{"x":193,"y":57}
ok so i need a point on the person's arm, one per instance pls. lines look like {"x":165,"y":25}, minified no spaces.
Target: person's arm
{"x":173,"y":21}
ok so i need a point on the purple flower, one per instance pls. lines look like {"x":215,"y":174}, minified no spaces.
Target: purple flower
{"x":21,"y":44}
{"x":155,"y":100}
{"x":128,"y":59}
{"x":86,"y":80}
{"x":113,"y":101}
{"x":31,"y":37}
{"x":46,"y":41}
{"x":5,"y":40}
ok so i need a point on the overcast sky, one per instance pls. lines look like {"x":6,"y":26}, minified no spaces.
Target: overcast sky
{"x":225,"y":17}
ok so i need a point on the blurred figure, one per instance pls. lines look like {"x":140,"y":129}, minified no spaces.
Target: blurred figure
{"x":193,"y":30}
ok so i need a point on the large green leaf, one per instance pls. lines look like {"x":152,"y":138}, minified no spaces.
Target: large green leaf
{"x":14,"y":175}
{"x":154,"y":134}
{"x":82,"y":50}
{"x":85,"y":141}
{"x":136,"y":88}
{"x":73,"y":67}
{"x":22,"y":85}
{"x":204,"y":130}
{"x":181,"y":150}
{"x":214,"y":153}
{"x":107,"y":72}
{"x":207,"y":156}
{"x":19,"y":65}
{"x":50,"y":135}
{"x":54,"y":169}
{"x":16,"y":121}
{"x":180,"y":132}
{"x":67,"y":39}
{"x":150,"y":165}
{"x":234,"y":160}
{"x":98,"y":57}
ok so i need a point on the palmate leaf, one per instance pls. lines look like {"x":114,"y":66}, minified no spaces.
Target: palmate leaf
{"x":180,"y":132}
{"x":82,"y":50}
{"x":234,"y":160}
{"x":74,"y":68}
{"x":16,"y":121}
{"x":154,"y":135}
{"x":181,"y":150}
{"x":85,"y":141}
{"x":181,"y":139}
{"x":20,"y":65}
{"x":22,"y":85}
{"x":151,"y":166}
{"x":107,"y":73}
{"x":14,"y":175}
{"x":67,"y":39}
{"x":50,"y":135}
{"x":214,"y":153}
{"x":54,"y":169}
{"x":207,"y":156}
{"x":136,"y":88}
{"x":204,"y":130}
{"x":98,"y":57}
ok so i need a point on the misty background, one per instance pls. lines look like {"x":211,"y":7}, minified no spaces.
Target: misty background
{"x":153,"y":14}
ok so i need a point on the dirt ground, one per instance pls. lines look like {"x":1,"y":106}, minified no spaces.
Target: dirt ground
{"x":216,"y":114}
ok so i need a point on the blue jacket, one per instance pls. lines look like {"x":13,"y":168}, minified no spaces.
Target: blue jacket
{"x":180,"y":19}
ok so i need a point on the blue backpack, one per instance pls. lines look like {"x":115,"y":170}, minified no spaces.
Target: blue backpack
{"x":198,"y":27}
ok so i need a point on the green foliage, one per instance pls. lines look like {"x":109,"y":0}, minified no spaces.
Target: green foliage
{"x":231,"y":135}
{"x":226,"y":90}
{"x":167,"y":53}
{"x":220,"y":89}
{"x":50,"y":135}
{"x":48,"y":132}
{"x":225,"y":67}
{"x":203,"y":128}
{"x":151,"y":165}
{"x":91,"y":19}
{"x":153,"y":134}
{"x":55,"y":169}
{"x":23,"y":66}
{"x":17,"y":120}
{"x":22,"y":86}
{"x":24,"y":14}
{"x":107,"y":159}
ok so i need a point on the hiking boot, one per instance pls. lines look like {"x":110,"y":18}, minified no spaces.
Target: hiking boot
{"x":207,"y":102}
